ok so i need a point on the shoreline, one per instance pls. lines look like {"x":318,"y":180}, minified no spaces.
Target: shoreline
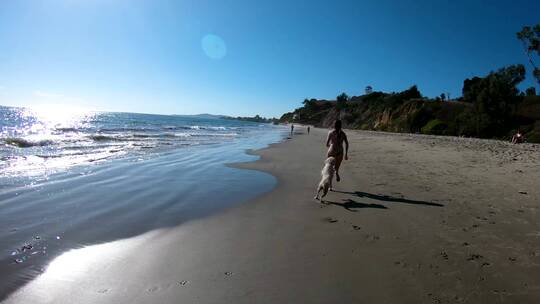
{"x":106,"y":203}
{"x":413,"y":221}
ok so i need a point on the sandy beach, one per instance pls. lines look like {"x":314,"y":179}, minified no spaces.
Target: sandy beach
{"x":416,"y":219}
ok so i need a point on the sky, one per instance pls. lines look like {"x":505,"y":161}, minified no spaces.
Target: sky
{"x":247,"y":57}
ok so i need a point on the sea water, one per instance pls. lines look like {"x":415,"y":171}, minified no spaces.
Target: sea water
{"x":71,"y":179}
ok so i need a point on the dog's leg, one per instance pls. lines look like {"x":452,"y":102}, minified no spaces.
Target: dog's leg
{"x":325,"y":191}
{"x":319,"y":188}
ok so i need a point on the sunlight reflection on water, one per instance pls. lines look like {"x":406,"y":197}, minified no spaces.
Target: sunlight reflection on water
{"x":47,"y":140}
{"x":87,"y":266}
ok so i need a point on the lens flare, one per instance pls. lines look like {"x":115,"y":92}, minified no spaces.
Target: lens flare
{"x":214,"y":46}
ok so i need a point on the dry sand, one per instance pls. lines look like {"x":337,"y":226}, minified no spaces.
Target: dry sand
{"x":416,"y":219}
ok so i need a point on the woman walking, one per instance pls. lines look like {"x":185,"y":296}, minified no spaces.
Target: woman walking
{"x":334,"y":142}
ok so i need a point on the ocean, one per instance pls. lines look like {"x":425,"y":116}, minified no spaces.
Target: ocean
{"x":69,"y":179}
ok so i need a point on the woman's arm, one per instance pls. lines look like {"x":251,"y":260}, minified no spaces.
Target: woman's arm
{"x":328,"y":139}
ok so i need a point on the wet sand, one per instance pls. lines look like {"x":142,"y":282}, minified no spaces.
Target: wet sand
{"x":416,"y":219}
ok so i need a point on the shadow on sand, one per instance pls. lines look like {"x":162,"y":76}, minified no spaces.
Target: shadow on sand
{"x":387,"y":198}
{"x":350,"y":205}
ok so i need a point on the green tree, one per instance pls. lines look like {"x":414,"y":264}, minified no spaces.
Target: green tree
{"x":342,"y":97}
{"x":309,"y":104}
{"x":341,"y":101}
{"x":410,"y":93}
{"x":443,"y":97}
{"x":471,"y":89}
{"x":530,"y":37}
{"x":495,"y":98}
{"x":369,"y":90}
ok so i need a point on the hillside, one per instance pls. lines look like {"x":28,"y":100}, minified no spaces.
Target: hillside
{"x":408,"y":111}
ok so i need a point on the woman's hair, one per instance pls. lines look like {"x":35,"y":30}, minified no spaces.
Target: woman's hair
{"x":337,"y":124}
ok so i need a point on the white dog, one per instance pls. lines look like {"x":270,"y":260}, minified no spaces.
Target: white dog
{"x":327,"y":175}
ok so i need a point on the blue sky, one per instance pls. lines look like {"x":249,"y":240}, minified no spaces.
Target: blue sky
{"x":148,"y":56}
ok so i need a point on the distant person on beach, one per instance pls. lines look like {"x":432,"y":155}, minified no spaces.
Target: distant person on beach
{"x":518,"y":138}
{"x":308,"y":130}
{"x":334,"y":142}
{"x":292,"y":129}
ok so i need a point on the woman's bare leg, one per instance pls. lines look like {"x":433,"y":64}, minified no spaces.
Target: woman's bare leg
{"x":339,"y":159}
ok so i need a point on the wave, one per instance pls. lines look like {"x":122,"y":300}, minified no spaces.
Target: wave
{"x":103,"y":138}
{"x":31,"y":146}
{"x":214,"y":134}
{"x":120,"y":130}
{"x":67,"y":129}
{"x":126,"y":137}
{"x":181,"y":135}
{"x":142,"y":129}
{"x":219,"y":128}
{"x":25,"y":143}
{"x":135,"y":137}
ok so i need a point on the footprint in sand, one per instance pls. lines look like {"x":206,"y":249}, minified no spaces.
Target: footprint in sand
{"x":330,"y":220}
{"x":401,"y":263}
{"x":104,"y":290}
{"x":153,"y":289}
{"x":372,"y":238}
{"x":444,"y":255}
{"x":435,"y":299}
{"x":474,"y":257}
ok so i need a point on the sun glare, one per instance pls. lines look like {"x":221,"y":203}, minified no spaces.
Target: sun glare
{"x":58,"y":114}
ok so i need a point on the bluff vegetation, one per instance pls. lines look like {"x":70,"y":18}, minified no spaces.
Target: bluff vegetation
{"x":491,"y":106}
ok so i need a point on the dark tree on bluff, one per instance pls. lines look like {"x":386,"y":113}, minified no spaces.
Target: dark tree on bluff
{"x":341,"y":101}
{"x":494,"y":97}
{"x":369,"y":90}
{"x":443,"y":97}
{"x":530,"y":37}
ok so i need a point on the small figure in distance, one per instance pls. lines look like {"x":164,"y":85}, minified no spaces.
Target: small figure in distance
{"x":292,"y":129}
{"x":518,"y":138}
{"x":334,"y":142}
{"x":307,"y":129}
